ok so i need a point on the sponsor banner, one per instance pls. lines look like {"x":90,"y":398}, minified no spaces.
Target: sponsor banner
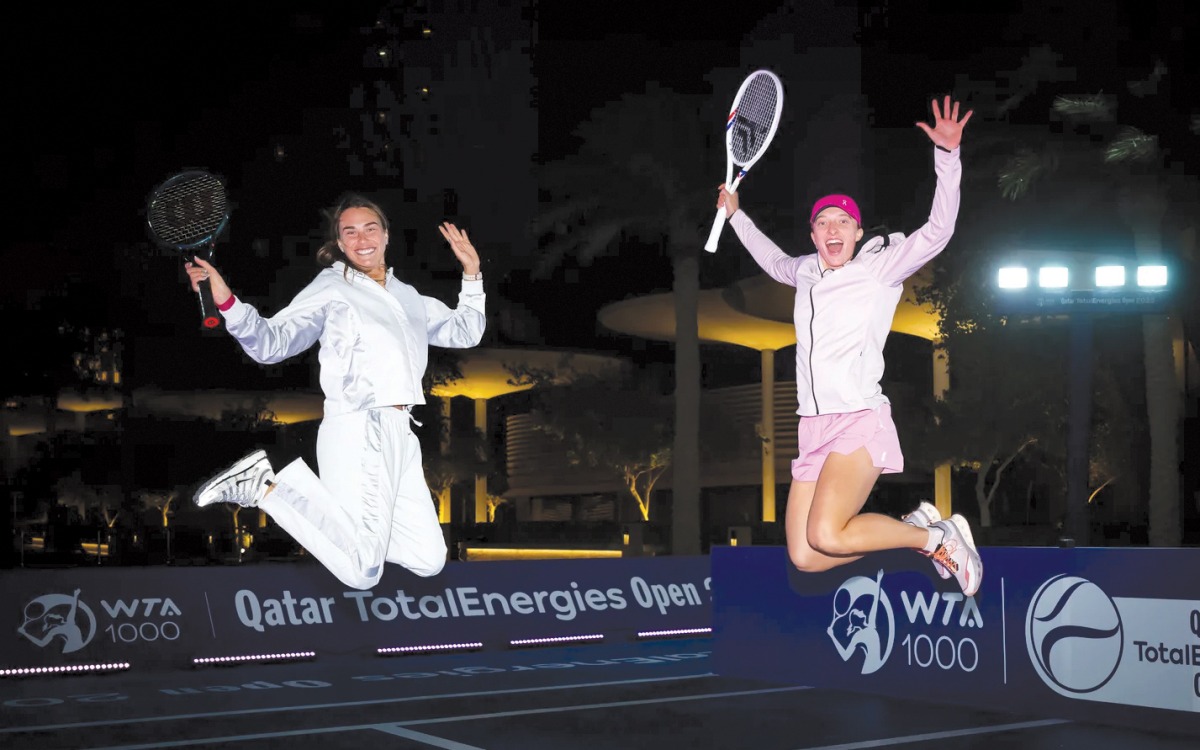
{"x":1106,"y":635}
{"x":156,"y":617}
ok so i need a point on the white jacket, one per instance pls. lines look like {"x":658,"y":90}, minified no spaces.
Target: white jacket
{"x":843,"y":316}
{"x":374,"y":340}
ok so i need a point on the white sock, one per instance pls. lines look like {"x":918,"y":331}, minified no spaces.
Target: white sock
{"x":933,"y":542}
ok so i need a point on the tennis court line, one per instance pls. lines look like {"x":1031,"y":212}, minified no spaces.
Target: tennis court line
{"x":427,"y":739}
{"x":388,"y":727}
{"x":344,"y":704}
{"x":930,"y":736}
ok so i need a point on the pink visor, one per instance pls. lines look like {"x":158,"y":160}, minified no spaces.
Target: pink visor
{"x":844,"y":202}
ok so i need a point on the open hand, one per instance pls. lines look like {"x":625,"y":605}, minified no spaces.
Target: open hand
{"x":947,"y":128}
{"x":460,"y":243}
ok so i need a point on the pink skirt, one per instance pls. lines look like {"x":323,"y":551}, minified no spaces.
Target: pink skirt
{"x":845,"y":433}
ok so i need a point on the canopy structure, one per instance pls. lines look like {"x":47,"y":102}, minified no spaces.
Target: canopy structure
{"x":758,"y":313}
{"x":487,"y":373}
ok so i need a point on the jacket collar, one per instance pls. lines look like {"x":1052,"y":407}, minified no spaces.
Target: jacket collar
{"x":354,"y":273}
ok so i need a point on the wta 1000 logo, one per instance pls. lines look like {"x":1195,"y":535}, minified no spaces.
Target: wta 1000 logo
{"x":66,"y":624}
{"x":864,"y":623}
{"x":59,"y":619}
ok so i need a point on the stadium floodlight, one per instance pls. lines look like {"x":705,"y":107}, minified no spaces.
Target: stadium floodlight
{"x":1108,"y":277}
{"x":1013,"y":277}
{"x":1053,"y":277}
{"x":1152,"y":276}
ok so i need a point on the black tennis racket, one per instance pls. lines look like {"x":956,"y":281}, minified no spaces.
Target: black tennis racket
{"x":186,"y":213}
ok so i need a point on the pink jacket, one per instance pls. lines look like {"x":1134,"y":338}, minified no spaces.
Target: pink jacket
{"x":843,"y":316}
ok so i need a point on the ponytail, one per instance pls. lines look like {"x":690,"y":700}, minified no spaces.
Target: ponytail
{"x":329,"y":253}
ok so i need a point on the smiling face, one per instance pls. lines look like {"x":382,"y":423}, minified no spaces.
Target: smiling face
{"x":363,"y":238}
{"x":835,"y":234}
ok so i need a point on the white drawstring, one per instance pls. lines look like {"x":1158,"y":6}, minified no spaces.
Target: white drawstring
{"x":408,"y":411}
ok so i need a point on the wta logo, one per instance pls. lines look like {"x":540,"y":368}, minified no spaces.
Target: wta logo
{"x":1074,"y":635}
{"x":57,"y":616}
{"x":863,"y":621}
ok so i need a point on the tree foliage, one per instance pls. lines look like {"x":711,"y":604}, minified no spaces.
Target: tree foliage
{"x":622,"y":425}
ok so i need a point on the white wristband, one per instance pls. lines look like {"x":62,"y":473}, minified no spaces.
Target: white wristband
{"x":475,"y":277}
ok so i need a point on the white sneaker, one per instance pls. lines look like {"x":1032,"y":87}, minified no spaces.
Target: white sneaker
{"x":926,"y":514}
{"x":957,"y":554}
{"x":244,"y":483}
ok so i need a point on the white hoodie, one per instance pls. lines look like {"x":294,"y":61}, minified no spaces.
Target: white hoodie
{"x":843,"y":316}
{"x":374,"y":340}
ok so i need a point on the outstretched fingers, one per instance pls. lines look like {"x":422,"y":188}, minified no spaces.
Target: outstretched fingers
{"x":460,"y":243}
{"x":947,"y":127}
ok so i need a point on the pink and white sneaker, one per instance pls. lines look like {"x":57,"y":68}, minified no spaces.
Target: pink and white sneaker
{"x":956,"y":552}
{"x":926,"y":514}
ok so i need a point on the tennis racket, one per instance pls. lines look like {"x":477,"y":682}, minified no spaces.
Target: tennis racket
{"x":186,"y":213}
{"x":749,"y":129}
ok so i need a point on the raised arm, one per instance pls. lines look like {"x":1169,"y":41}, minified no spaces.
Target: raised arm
{"x":772,"y":260}
{"x":896,"y":263}
{"x":461,"y":327}
{"x":286,"y":333}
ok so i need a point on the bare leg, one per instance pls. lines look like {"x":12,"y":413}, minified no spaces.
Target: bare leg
{"x":802,"y":555}
{"x":798,"y":520}
{"x":835,"y":525}
{"x":824,"y":527}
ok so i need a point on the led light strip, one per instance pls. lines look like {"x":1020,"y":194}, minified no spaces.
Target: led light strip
{"x":71,"y":669}
{"x":555,"y":639}
{"x":432,"y":648}
{"x":255,"y":657}
{"x":673,"y":633}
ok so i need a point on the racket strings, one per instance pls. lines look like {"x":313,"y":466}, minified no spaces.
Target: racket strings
{"x":189,"y":211}
{"x":756,"y":112}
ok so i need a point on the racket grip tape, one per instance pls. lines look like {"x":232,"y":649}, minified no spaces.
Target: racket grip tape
{"x":715,"y":234}
{"x":209,"y":317}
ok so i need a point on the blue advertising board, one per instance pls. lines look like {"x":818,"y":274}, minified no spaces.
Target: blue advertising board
{"x":1106,"y":635}
{"x":165,"y":617}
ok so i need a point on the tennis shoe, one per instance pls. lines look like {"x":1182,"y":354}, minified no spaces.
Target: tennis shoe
{"x":245,"y":483}
{"x":925,"y":514}
{"x":957,"y":553}
{"x":922,"y":517}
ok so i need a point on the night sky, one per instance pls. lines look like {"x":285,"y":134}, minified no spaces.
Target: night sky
{"x":104,"y":102}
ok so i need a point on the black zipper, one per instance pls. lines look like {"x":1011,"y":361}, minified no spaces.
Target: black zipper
{"x":812,"y":343}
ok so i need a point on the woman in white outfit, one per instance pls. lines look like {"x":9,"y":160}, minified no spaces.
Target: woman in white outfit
{"x":370,"y":504}
{"x":844,"y":308}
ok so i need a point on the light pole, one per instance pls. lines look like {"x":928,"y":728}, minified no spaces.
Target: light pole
{"x":1082,"y":287}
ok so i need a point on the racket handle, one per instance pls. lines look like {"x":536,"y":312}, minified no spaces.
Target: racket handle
{"x":715,"y":234}
{"x":209,"y":317}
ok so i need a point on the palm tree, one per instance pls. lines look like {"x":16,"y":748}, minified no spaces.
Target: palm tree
{"x":643,"y":179}
{"x":1132,"y":167}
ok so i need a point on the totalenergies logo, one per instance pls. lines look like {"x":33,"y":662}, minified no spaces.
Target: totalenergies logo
{"x":1074,"y":634}
{"x":54,"y":617}
{"x":863,"y":621}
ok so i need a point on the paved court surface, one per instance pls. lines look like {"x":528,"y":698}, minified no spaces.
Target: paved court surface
{"x":658,"y":695}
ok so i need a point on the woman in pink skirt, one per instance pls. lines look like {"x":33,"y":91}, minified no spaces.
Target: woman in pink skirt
{"x":844,"y":308}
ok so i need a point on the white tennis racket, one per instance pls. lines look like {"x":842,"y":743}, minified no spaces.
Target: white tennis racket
{"x":752,"y":122}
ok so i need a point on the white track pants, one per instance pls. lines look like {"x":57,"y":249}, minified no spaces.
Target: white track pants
{"x":370,"y":504}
